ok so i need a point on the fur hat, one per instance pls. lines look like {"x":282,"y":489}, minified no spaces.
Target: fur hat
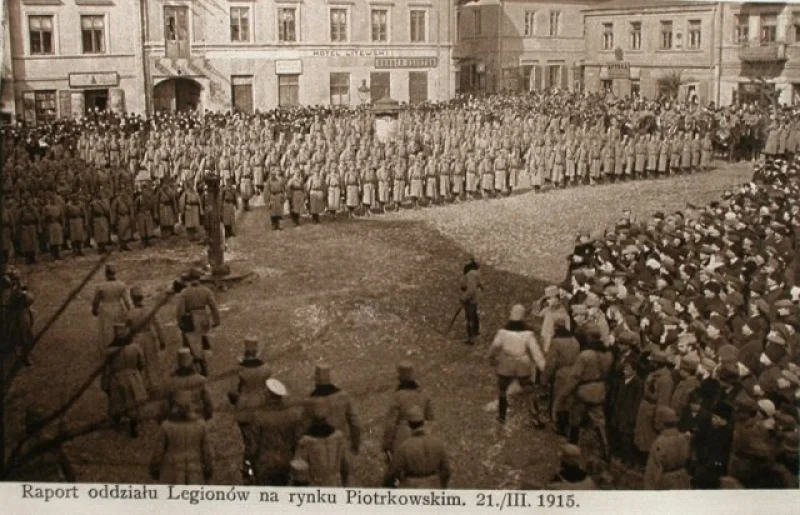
{"x":322,"y":374}
{"x":405,"y":371}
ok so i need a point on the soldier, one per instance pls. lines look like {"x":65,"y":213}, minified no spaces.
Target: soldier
{"x":669,"y":454}
{"x":368,"y":189}
{"x":470,"y":285}
{"x":54,"y":226}
{"x":186,"y":378}
{"x":197,"y":313}
{"x":184,"y":453}
{"x":7,"y":231}
{"x":122,"y":379}
{"x":587,"y":383}
{"x":316,"y":195}
{"x":277,"y":427}
{"x":16,"y":318}
{"x":146,"y":209}
{"x":229,"y":201}
{"x":658,"y":388}
{"x":76,"y":223}
{"x":399,"y":172}
{"x":571,"y":475}
{"x":275,"y":196}
{"x":249,"y":396}
{"x":28,"y":229}
{"x":550,"y":309}
{"x":324,"y":449}
{"x":122,"y":217}
{"x":342,"y":414}
{"x":101,"y":221}
{"x":148,"y":335}
{"x":111,"y":302}
{"x":384,"y":176}
{"x":333,"y":184}
{"x":167,"y":208}
{"x":514,"y":352}
{"x":421,"y":461}
{"x":191,"y":210}
{"x":407,"y":395}
{"x":559,"y":358}
{"x":297,"y":197}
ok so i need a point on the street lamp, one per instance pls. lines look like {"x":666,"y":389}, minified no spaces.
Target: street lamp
{"x":363,"y":91}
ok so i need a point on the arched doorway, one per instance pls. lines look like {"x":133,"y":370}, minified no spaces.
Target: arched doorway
{"x":179,"y":94}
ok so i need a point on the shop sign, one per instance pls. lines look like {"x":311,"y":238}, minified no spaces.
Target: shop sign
{"x":93,"y":80}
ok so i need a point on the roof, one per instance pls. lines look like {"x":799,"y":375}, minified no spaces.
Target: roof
{"x":649,"y":4}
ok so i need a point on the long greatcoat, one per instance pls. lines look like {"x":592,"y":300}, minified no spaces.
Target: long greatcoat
{"x":184,"y":454}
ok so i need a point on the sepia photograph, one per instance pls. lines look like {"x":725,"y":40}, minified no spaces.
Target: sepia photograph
{"x":366,"y":248}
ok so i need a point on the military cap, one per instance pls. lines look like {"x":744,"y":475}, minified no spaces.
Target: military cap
{"x":136,"y":292}
{"x":405,"y":371}
{"x":415,"y":414}
{"x":517,"y":313}
{"x":195,"y":274}
{"x":275,"y":387}
{"x":322,"y":374}
{"x":299,"y":470}
{"x":185,"y":358}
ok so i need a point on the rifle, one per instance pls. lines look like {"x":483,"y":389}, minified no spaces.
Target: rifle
{"x":453,"y":321}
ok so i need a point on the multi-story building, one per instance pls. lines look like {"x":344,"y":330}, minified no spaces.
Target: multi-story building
{"x":520,"y":44}
{"x":150,"y":55}
{"x":260,"y":54}
{"x":760,"y":52}
{"x":645,"y":46}
{"x":66,"y":56}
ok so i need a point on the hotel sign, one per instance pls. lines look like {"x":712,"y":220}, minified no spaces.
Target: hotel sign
{"x":619,"y":70}
{"x":289,"y":67}
{"x":93,"y":80}
{"x":406,"y":62}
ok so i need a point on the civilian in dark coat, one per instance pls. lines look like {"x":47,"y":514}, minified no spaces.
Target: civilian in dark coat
{"x":712,"y":449}
{"x":626,"y":398}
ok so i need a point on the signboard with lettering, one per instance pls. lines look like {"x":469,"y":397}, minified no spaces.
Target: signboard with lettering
{"x":292,"y":67}
{"x":93,"y":80}
{"x":619,"y":70}
{"x":406,"y":62}
{"x":350,"y":52}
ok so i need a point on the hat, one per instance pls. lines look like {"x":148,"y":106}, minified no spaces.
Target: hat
{"x":185,"y":358}
{"x":745,"y":403}
{"x":322,"y":374}
{"x":570,"y":453}
{"x":728,"y":353}
{"x":405,"y":371}
{"x":275,"y":387}
{"x":111,"y":270}
{"x":195,"y":274}
{"x":767,"y":407}
{"x":250,"y":347}
{"x":415,"y":414}
{"x":776,"y":338}
{"x":299,"y":470}
{"x":517,"y":313}
{"x":136,"y":293}
{"x":690,"y":363}
{"x":551,"y":291}
{"x":775,"y":352}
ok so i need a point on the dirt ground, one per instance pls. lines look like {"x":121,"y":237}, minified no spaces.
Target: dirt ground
{"x":360,"y":295}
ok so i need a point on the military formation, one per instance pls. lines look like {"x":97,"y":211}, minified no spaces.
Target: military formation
{"x":670,"y":348}
{"x":110,"y":180}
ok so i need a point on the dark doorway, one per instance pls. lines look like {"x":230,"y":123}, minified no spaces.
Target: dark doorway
{"x":95,"y":99}
{"x":177,"y":95}
{"x":379,"y":86}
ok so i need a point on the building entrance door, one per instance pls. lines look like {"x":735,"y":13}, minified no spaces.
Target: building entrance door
{"x":95,"y":99}
{"x":379,"y":86}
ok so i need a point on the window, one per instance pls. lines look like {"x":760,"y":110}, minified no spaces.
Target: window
{"x":607,"y":85}
{"x":242,"y":93}
{"x":340,"y":89}
{"x":93,"y":30}
{"x":742,"y":29}
{"x":530,"y":23}
{"x":477,"y":21}
{"x":418,"y":26}
{"x":417,"y":87}
{"x":287,"y":24}
{"x":608,"y":36}
{"x":797,"y":27}
{"x":695,"y":31}
{"x":666,"y":35}
{"x":338,"y":25}
{"x":769,"y":28}
{"x":288,"y":90}
{"x":240,"y":24}
{"x":41,"y":34}
{"x":636,"y":35}
{"x":40,"y":106}
{"x":555,"y":23}
{"x":380,"y":25}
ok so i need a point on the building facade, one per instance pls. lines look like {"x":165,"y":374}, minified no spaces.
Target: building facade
{"x":67,"y":56}
{"x":760,"y":52}
{"x":520,"y":44}
{"x":652,"y":47}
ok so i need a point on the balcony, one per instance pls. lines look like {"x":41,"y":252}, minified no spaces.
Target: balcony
{"x":756,"y":52}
